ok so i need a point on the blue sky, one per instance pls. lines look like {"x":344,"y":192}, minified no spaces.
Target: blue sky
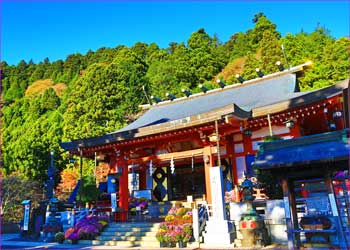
{"x":55,"y":29}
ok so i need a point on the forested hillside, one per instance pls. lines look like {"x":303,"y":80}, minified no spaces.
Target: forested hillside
{"x":99,"y":92}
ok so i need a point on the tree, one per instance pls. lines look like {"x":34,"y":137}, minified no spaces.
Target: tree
{"x":49,"y":100}
{"x":140,"y":49}
{"x":90,"y":191}
{"x":72,"y":67}
{"x":258,"y":16}
{"x":38,"y":73}
{"x":256,"y":34}
{"x":102,"y":97}
{"x":199,"y":39}
{"x":69,"y":179}
{"x":250,"y":64}
{"x":15,"y":189}
{"x":271,"y":52}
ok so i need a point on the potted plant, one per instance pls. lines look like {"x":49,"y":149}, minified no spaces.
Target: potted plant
{"x":71,"y":235}
{"x":183,"y":234}
{"x":171,"y":237}
{"x":59,"y":237}
{"x":176,"y":228}
{"x":160,"y":235}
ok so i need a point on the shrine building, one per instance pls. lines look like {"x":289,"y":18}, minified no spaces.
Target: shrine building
{"x":171,"y":147}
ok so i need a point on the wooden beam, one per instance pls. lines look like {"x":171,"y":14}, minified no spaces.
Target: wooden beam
{"x":168,"y":156}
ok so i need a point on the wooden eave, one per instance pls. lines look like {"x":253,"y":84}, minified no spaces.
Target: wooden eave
{"x":232,"y":111}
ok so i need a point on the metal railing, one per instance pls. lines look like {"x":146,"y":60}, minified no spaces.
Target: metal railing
{"x":200,"y":216}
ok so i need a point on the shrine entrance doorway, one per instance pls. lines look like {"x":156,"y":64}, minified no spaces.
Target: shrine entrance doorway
{"x":185,"y":181}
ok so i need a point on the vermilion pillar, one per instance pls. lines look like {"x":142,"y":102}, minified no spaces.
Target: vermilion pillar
{"x":123,"y":201}
{"x":208,"y":163}
{"x":247,"y":142}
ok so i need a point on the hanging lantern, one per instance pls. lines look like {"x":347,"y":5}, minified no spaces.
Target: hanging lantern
{"x":337,"y":114}
{"x":290,"y":123}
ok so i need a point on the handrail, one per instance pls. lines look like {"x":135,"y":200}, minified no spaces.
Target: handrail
{"x":329,"y":231}
{"x":80,"y":214}
{"x":200,"y":216}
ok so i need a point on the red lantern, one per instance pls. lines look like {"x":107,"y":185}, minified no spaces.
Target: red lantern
{"x":244,"y":224}
{"x":253,"y":224}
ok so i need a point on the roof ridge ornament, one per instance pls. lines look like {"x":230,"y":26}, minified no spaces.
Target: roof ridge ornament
{"x":221,"y":83}
{"x":186,"y":92}
{"x":240,"y":78}
{"x":170,"y":96}
{"x":203,"y":88}
{"x":280,"y":65}
{"x":156,"y":99}
{"x":259,"y":72}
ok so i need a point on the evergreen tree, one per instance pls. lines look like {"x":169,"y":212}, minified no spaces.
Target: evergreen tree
{"x":102,"y":97}
{"x":271,"y":52}
{"x":263,"y":24}
{"x":250,"y":64}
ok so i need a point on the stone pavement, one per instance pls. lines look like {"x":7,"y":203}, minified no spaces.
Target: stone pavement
{"x":8,"y":241}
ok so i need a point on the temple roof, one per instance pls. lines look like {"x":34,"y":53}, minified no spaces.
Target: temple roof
{"x":250,"y":99}
{"x":245,"y":96}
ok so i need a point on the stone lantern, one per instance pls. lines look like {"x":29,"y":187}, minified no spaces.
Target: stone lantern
{"x":251,"y":225}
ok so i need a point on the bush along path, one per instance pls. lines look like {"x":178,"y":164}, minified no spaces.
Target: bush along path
{"x":86,"y":229}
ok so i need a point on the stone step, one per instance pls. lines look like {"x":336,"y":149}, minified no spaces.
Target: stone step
{"x":129,"y":226}
{"x":130,"y":234}
{"x":217,"y":245}
{"x":156,"y":245}
{"x":127,"y":238}
{"x":140,"y":233}
{"x":120,"y":243}
{"x":133,"y":224}
{"x":135,"y":229}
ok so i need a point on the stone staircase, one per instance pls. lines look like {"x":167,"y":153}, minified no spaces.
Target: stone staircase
{"x":127,"y":234}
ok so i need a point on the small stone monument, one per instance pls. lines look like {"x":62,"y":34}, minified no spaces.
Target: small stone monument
{"x":219,"y":231}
